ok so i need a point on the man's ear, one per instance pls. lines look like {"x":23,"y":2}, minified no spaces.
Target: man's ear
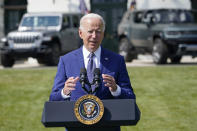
{"x":80,"y":33}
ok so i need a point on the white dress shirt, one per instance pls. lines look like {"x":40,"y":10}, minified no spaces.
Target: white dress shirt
{"x":96,"y":59}
{"x":97,"y":62}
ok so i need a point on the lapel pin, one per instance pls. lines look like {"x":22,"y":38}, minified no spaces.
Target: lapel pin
{"x":106,"y":58}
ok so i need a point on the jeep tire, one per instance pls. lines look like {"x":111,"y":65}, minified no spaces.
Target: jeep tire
{"x":124,"y":49}
{"x":53,"y":57}
{"x":7,"y":60}
{"x":41,"y":60}
{"x":159,"y":52}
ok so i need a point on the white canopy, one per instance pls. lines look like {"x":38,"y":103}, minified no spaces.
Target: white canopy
{"x":158,"y":4}
{"x":55,"y":5}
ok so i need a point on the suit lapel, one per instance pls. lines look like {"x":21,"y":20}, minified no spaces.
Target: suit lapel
{"x":80,"y":58}
{"x":105,"y":60}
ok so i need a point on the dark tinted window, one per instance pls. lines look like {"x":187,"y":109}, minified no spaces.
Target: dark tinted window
{"x":66,"y":21}
{"x":173,"y":16}
{"x":138,"y":17}
{"x":75,"y":21}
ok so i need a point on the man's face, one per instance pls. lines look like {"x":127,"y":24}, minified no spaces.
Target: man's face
{"x":92,"y":33}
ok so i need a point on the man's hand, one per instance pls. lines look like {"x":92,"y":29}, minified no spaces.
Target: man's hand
{"x":70,"y":85}
{"x":109,"y":82}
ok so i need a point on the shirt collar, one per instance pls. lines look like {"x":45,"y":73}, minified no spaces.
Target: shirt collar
{"x":86,"y":52}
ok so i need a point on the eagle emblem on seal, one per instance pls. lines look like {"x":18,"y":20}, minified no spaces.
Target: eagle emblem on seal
{"x":89,"y":108}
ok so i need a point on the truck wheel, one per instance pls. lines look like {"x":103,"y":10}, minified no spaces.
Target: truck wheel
{"x":53,"y":57}
{"x":159,"y":52}
{"x":124,"y":49}
{"x":176,"y":59}
{"x":7,"y":60}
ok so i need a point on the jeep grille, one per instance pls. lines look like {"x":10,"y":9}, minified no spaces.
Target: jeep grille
{"x":25,"y":39}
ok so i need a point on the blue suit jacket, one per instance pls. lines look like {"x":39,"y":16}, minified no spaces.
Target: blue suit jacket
{"x":110,"y":63}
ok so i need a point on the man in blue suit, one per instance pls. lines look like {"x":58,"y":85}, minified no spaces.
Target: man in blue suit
{"x":115,"y":82}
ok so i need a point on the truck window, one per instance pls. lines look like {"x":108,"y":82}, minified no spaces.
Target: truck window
{"x":66,"y":21}
{"x":138,"y":17}
{"x":75,"y":21}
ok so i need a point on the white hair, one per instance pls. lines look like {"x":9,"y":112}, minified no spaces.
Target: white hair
{"x":91,"y":15}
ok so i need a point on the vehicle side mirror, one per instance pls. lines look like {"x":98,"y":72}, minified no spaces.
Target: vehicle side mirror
{"x":152,"y":20}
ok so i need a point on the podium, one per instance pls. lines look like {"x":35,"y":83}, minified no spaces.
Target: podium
{"x":117,"y":112}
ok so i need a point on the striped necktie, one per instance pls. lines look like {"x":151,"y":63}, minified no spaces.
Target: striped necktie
{"x":90,"y":68}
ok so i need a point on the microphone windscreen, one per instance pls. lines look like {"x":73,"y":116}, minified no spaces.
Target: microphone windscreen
{"x":83,"y":71}
{"x":97,"y":71}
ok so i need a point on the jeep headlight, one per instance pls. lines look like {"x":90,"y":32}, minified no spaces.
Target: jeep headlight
{"x":175,"y":33}
{"x":4,"y":39}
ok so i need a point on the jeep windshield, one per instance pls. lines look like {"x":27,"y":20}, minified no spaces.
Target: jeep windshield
{"x":40,"y":22}
{"x":173,"y":16}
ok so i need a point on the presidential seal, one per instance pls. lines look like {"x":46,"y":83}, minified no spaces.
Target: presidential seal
{"x":89,"y":109}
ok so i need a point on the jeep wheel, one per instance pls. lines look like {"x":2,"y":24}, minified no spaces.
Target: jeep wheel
{"x":53,"y":57}
{"x":41,"y":60}
{"x":124,"y":49}
{"x":7,"y":60}
{"x":159,"y":52}
{"x":176,"y":59}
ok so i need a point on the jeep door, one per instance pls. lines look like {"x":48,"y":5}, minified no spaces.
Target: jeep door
{"x":74,"y":31}
{"x":66,"y":34}
{"x":140,"y":31}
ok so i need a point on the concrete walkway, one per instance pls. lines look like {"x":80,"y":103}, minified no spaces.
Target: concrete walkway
{"x":142,"y":61}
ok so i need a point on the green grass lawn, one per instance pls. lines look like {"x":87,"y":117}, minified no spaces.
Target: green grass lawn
{"x":166,"y":96}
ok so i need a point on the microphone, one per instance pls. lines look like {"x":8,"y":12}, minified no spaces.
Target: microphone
{"x":97,"y":77}
{"x":83,"y":77}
